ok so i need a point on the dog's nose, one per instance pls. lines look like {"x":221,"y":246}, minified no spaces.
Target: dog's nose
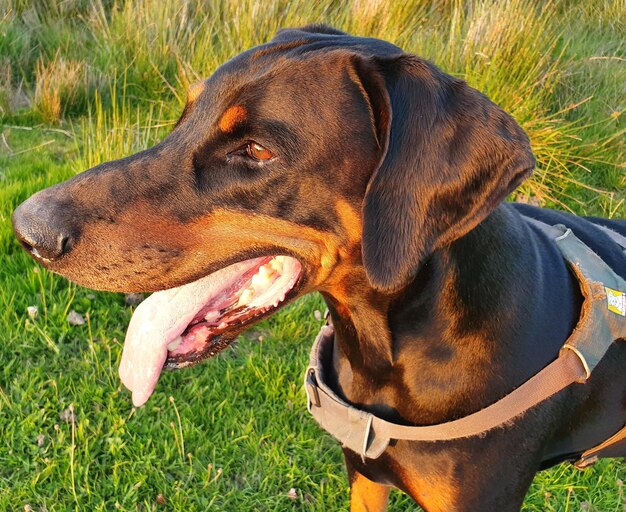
{"x":40,"y":232}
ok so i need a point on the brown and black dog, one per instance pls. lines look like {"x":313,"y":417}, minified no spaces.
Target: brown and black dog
{"x":380,"y":182}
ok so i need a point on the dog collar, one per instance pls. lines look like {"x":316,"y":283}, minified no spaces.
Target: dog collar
{"x":602,"y":321}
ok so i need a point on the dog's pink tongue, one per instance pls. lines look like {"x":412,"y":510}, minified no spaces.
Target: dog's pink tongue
{"x":160,"y":319}
{"x":157,"y":321}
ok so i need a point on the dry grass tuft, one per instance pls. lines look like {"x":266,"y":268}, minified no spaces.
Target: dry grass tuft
{"x":58,"y":84}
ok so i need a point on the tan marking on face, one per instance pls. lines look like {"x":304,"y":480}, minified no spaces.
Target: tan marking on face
{"x":346,"y":266}
{"x":194,"y":91}
{"x":233,"y":117}
{"x":326,"y":261}
{"x":350,"y":220}
{"x":180,"y":252}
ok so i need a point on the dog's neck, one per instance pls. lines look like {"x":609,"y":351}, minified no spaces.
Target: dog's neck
{"x":459,"y":336}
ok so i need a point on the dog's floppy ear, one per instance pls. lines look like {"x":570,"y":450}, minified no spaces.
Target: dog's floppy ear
{"x":449,"y":157}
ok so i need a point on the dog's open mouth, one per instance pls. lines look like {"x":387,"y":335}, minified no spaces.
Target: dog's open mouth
{"x":181,"y":326}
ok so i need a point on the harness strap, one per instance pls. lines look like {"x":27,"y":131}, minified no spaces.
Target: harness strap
{"x":369,"y":435}
{"x":614,"y":446}
{"x":602,"y":321}
{"x":554,"y":232}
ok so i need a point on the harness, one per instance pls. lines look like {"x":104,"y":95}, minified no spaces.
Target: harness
{"x":602,"y":321}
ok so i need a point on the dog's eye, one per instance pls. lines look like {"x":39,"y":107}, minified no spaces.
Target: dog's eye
{"x":258,"y":152}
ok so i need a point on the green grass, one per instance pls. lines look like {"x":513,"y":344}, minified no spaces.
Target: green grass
{"x":235,"y":436}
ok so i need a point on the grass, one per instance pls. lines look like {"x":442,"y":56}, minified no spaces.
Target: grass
{"x":84,"y":81}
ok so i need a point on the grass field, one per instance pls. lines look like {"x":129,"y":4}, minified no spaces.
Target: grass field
{"x":84,"y":81}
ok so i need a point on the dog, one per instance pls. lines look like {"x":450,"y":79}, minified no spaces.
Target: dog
{"x":326,"y":162}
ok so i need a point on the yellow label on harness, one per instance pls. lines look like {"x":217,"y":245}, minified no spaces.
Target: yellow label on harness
{"x":616,"y":301}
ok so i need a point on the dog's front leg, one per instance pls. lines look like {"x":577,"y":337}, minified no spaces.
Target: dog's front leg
{"x":365,"y":495}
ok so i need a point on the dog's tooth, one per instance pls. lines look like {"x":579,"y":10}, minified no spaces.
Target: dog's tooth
{"x":223,"y":325}
{"x":173,"y":345}
{"x":265,"y":272}
{"x":258,"y":281}
{"x":212,"y":315}
{"x":246,"y":296}
{"x":261,"y":280}
{"x":276,"y":265}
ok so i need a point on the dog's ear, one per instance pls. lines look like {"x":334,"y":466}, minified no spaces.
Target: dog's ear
{"x":449,"y":156}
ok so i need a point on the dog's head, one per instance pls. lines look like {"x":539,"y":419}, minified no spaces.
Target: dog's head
{"x":295,"y":159}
